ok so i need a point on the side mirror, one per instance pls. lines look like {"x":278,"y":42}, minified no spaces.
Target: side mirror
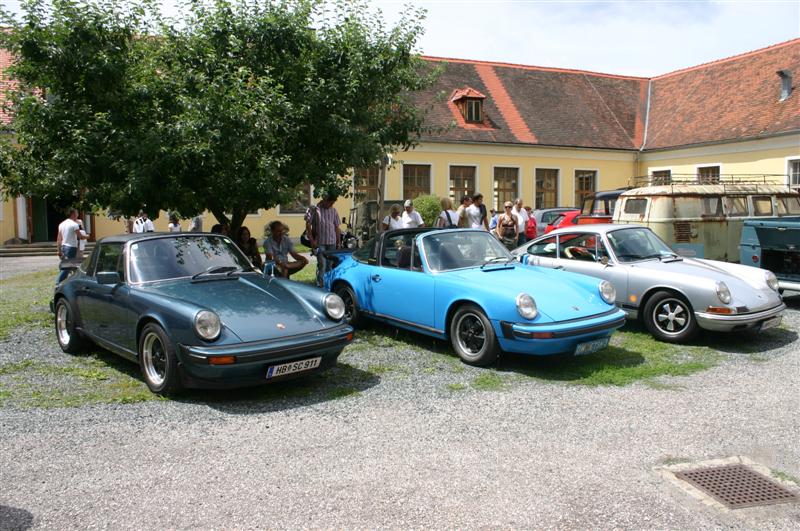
{"x":108,"y":277}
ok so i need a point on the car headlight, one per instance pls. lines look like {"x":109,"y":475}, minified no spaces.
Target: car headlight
{"x":334,"y":306}
{"x":608,"y":292}
{"x":772,"y":280}
{"x":526,"y":306}
{"x":207,"y":325}
{"x":723,"y":292}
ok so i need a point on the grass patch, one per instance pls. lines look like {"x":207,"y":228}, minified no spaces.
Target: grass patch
{"x":669,"y":461}
{"x":25,"y":301}
{"x":662,"y":386}
{"x":342,"y":392}
{"x":783,"y":476}
{"x":488,"y":381}
{"x":380,"y":369}
{"x":456,"y":387}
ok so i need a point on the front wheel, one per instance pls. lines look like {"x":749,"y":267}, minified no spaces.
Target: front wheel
{"x":158,"y":361}
{"x":670,"y":318}
{"x":69,"y":339}
{"x":473,"y":337}
{"x":348,"y":296}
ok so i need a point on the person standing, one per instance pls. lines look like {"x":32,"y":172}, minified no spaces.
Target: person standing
{"x":322,"y":229}
{"x":448,"y":219}
{"x":476,"y":213}
{"x":492,"y":219}
{"x":393,"y":221}
{"x":507,"y":226}
{"x":522,"y":220}
{"x":174,"y":224}
{"x":142,"y":223}
{"x":69,"y":232}
{"x":466,"y":201}
{"x":196,"y":224}
{"x":411,"y":218}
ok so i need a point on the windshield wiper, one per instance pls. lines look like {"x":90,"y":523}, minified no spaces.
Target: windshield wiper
{"x":215,"y":270}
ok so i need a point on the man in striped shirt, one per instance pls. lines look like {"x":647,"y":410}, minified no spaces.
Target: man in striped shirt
{"x":322,"y":229}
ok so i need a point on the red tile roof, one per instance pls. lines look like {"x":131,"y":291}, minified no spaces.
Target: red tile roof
{"x":5,"y":84}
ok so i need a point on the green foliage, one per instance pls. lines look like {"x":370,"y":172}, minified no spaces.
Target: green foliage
{"x":230,"y":106}
{"x":429,"y":208}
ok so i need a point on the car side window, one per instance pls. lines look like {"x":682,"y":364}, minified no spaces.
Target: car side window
{"x":397,"y":251}
{"x":584,"y":247}
{"x":546,"y":247}
{"x":367,"y":252}
{"x":87,"y":266}
{"x":110,"y":259}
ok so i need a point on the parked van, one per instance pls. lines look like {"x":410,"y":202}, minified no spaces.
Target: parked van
{"x":704,"y":220}
{"x":599,"y":207}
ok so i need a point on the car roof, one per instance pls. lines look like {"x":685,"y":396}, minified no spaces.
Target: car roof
{"x":600,"y":228}
{"x":125,"y":238}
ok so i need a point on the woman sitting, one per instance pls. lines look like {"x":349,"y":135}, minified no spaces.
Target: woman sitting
{"x":249,"y":247}
{"x":279,"y":247}
{"x":507,"y":227}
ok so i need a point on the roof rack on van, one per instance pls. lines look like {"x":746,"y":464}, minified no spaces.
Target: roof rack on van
{"x":775,"y":179}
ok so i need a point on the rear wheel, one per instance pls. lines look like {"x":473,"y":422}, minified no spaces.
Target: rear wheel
{"x":348,"y":296}
{"x":670,"y":318}
{"x":158,"y":361}
{"x":69,"y":338}
{"x":473,"y":337}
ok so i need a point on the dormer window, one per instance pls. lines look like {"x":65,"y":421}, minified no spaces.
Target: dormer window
{"x":470,"y":102}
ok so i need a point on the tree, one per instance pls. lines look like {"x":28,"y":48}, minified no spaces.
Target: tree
{"x":230,"y":107}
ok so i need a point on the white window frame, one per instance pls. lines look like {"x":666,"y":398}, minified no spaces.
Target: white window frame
{"x":431,"y":179}
{"x":519,"y":181}
{"x":789,"y":161}
{"x":710,"y":165}
{"x":559,"y":186}
{"x":477,"y":178}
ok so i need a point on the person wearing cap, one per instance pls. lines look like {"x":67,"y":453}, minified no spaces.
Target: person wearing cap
{"x":411,"y":218}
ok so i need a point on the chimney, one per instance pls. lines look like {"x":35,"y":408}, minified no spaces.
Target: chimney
{"x":786,"y":83}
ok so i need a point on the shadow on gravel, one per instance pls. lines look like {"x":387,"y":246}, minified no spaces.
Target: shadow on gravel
{"x":14,"y":519}
{"x":335,"y":383}
{"x":748,"y":342}
{"x":792,"y":299}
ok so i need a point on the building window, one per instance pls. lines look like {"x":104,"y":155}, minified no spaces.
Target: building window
{"x":794,"y":174}
{"x":708,"y":174}
{"x":416,"y":180}
{"x":659,"y":177}
{"x":301,"y":202}
{"x":474,"y":112}
{"x":366,"y":183}
{"x":546,"y":188}
{"x":462,"y":182}
{"x":506,"y":186}
{"x":584,"y":185}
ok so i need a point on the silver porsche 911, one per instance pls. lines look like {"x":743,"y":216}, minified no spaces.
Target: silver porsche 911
{"x":673,"y":296}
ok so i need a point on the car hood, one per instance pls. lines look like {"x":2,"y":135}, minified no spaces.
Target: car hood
{"x":252,"y":307}
{"x":559,"y":295}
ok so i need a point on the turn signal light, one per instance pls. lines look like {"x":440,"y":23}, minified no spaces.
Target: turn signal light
{"x":349,"y":336}
{"x":222,"y":360}
{"x":720,"y":310}
{"x":543,"y":335}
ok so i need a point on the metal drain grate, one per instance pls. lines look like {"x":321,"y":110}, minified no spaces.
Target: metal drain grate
{"x":737,"y":486}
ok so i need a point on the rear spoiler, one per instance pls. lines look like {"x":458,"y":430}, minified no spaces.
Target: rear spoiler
{"x":70,"y":265}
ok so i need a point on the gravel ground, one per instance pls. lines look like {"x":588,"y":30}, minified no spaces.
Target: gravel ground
{"x":415,"y":445}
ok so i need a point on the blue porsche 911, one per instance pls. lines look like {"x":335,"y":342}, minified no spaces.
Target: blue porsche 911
{"x":192,"y":311}
{"x":464,"y":285}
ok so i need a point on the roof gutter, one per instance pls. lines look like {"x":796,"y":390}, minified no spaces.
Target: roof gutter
{"x":647,"y":114}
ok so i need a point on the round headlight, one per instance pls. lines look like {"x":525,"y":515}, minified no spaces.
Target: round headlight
{"x":608,"y":292}
{"x":723,"y":292}
{"x":334,"y":306}
{"x":207,"y":325}
{"x":772,"y":280}
{"x":526,"y":306}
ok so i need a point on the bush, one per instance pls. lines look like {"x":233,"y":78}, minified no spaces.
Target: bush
{"x":429,"y":208}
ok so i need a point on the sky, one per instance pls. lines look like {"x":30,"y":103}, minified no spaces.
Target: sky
{"x":641,"y":38}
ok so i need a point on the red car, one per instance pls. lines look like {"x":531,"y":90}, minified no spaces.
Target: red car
{"x":570,"y":217}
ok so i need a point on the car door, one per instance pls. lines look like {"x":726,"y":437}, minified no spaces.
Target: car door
{"x":109,"y":303}
{"x":401,"y":289}
{"x":587,"y":253}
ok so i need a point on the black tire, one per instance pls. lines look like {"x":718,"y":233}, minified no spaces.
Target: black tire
{"x":158,"y":362}
{"x":670,"y":318}
{"x":351,"y":314}
{"x":473,"y":337}
{"x":69,"y":338}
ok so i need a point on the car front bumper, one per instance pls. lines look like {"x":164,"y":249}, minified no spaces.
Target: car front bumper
{"x":253,"y":359}
{"x":559,"y":337}
{"x":744,"y":321}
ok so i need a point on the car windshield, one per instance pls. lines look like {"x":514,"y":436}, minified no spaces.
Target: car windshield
{"x":630,"y":245}
{"x":184,"y":256}
{"x":460,"y":249}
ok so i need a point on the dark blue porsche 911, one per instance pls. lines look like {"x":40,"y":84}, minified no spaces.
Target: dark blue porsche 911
{"x":192,"y":311}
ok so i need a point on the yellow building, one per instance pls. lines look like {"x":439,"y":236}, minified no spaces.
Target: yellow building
{"x":551,"y":136}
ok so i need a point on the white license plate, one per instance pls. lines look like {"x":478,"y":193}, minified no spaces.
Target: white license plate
{"x":292,"y":367}
{"x":591,"y":346}
{"x":771,"y":323}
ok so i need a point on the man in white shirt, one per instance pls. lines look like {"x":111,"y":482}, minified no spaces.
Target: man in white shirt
{"x":142,"y":223}
{"x":69,"y":232}
{"x":476,"y":216}
{"x":411,"y":218}
{"x":461,"y":212}
{"x":522,"y":219}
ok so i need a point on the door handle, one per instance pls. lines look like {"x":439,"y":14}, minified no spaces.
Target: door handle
{"x":376,"y":278}
{"x":85,"y":288}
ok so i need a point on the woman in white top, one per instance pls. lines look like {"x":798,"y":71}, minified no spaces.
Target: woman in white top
{"x":174,"y":225}
{"x":393,"y":220}
{"x":448,"y":219}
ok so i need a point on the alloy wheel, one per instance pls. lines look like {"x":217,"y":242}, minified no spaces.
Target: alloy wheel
{"x":154,"y":359}
{"x":671,"y":316}
{"x":470,"y":333}
{"x":63,"y":324}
